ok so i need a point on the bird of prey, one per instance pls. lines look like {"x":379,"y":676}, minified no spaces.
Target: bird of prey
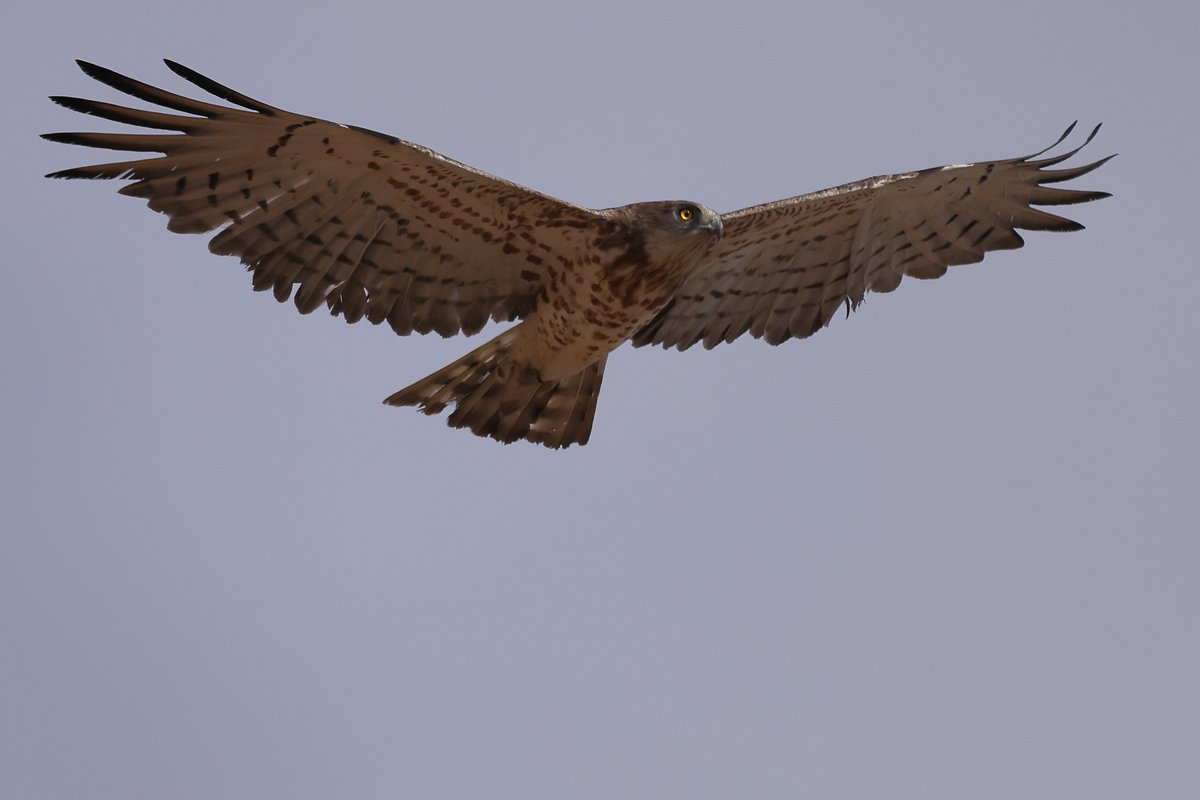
{"x":378,"y":228}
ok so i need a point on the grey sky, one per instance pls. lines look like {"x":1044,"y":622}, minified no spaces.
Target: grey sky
{"x":946,"y":548}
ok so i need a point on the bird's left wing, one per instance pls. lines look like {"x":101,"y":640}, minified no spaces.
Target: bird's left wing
{"x":370,"y":225}
{"x":782,"y":270}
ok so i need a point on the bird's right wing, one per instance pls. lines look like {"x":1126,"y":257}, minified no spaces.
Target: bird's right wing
{"x":371,"y":225}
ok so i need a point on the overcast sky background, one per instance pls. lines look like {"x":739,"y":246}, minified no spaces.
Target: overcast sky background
{"x":945,"y":549}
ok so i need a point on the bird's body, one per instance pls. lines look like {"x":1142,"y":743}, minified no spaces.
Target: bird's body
{"x":642,"y":256}
{"x":381,"y":229}
{"x":539,"y":380}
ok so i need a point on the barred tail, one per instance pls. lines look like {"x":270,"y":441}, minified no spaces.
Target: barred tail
{"x":495,"y":397}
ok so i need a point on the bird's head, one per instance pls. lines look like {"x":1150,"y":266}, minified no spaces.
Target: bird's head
{"x":670,"y":226}
{"x":684,"y":218}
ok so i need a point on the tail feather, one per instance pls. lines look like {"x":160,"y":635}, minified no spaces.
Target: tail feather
{"x":495,"y":397}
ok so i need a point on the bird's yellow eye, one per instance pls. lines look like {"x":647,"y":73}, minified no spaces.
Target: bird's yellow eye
{"x":685,"y":213}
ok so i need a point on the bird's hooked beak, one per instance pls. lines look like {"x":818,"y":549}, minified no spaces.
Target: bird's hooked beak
{"x":717,"y":226}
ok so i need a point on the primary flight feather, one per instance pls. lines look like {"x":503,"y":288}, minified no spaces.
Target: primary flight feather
{"x":378,"y":228}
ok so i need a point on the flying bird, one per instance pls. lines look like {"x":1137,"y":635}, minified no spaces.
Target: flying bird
{"x":374,"y":227}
